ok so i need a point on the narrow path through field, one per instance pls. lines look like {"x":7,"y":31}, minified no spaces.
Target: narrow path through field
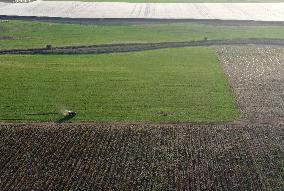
{"x":111,"y":48}
{"x":136,"y":21}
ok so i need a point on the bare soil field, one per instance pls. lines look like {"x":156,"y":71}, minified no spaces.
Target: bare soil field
{"x":256,"y":75}
{"x":141,"y":157}
{"x":73,"y":9}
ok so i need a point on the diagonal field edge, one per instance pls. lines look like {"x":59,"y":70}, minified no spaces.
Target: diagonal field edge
{"x":131,"y":47}
{"x":134,"y":21}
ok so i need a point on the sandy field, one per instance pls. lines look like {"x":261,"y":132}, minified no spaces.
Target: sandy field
{"x":222,"y":11}
{"x":256,"y":75}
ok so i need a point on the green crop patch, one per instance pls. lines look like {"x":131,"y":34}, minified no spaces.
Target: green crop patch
{"x":24,"y":34}
{"x":169,"y":85}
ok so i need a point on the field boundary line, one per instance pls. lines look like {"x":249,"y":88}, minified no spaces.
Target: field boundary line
{"x":132,"y":47}
{"x":134,"y":21}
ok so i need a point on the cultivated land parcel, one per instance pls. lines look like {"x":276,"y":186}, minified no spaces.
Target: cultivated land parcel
{"x":23,"y":34}
{"x":162,"y":85}
{"x":136,"y":106}
{"x":173,"y":85}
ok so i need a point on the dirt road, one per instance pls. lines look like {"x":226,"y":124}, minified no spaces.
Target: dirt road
{"x":111,"y":48}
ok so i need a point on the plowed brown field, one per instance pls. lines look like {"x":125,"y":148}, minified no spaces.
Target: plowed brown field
{"x":141,"y":157}
{"x":256,"y":75}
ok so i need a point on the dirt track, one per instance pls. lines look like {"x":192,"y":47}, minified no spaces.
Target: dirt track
{"x":111,"y":48}
{"x":135,"y":21}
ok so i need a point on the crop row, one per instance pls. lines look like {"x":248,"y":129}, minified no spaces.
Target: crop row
{"x":141,"y":157}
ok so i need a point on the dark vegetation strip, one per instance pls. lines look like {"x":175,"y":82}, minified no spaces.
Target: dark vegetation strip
{"x":141,"y":157}
{"x":112,"y":48}
{"x":135,"y":21}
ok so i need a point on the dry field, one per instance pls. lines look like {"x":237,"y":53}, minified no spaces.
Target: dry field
{"x":222,"y":11}
{"x":141,"y":157}
{"x":256,"y":75}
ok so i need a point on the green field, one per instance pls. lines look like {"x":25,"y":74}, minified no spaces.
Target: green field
{"x":167,"y":85}
{"x":22,"y":34}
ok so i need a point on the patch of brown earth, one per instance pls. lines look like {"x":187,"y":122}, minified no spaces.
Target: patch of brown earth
{"x":141,"y":157}
{"x":256,"y":75}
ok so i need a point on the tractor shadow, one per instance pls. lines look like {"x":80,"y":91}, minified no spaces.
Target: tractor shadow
{"x":66,"y":117}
